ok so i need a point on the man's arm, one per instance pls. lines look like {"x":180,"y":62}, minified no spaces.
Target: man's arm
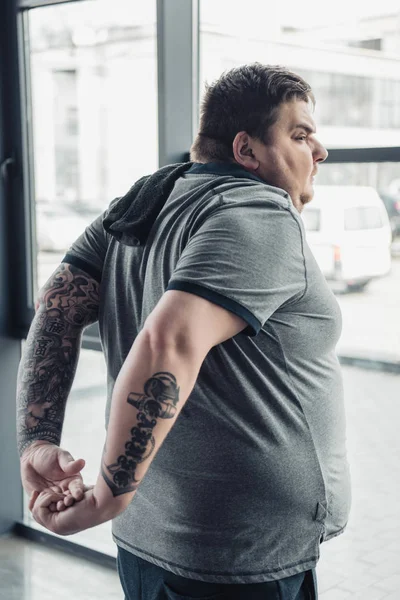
{"x":67,"y":303}
{"x":150,"y":391}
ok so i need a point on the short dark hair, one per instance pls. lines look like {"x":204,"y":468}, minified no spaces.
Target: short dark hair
{"x":244,"y":98}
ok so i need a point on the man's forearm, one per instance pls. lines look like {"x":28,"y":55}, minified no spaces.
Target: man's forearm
{"x":45,"y":377}
{"x":149,"y":393}
{"x":50,"y":357}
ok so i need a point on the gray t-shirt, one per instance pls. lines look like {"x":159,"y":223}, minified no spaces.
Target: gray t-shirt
{"x":253,"y":476}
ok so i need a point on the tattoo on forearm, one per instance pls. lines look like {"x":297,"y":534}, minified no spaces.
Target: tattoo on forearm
{"x":69,"y":301}
{"x":159,"y":400}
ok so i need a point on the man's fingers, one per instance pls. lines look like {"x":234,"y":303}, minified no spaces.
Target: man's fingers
{"x":48,"y":498}
{"x":32,"y":500}
{"x":76,"y":489}
{"x":56,"y":502}
{"x":69,"y":500}
{"x":61,"y":505}
{"x":45,"y":506}
{"x":69,"y":465}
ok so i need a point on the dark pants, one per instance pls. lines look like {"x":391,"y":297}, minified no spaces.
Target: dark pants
{"x":141,"y":580}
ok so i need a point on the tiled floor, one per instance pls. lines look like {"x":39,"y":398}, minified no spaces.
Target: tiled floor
{"x":362,"y":564}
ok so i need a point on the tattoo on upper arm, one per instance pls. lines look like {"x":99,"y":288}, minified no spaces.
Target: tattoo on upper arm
{"x":71,"y":298}
{"x":158,"y":401}
{"x":68,"y":302}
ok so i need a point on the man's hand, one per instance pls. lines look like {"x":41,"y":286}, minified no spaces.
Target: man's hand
{"x":96,"y":506}
{"x":49,"y":510}
{"x":45,"y":465}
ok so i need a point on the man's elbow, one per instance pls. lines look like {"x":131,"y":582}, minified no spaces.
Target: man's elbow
{"x":176,"y":342}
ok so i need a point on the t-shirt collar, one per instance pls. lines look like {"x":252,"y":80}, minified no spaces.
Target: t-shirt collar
{"x":214,"y":168}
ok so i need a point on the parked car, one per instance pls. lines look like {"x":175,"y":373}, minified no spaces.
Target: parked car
{"x":392,"y":205}
{"x":348,"y":231}
{"x":58,"y":226}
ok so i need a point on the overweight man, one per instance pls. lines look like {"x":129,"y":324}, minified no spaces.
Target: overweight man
{"x":224,"y":466}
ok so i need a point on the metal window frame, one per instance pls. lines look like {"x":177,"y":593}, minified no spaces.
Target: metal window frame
{"x":28,"y":4}
{"x":13,"y":254}
{"x":177,"y":54}
{"x":18,"y":180}
{"x":77,"y":550}
{"x":364,"y":155}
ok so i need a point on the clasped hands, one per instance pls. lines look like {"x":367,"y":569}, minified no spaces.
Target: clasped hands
{"x":59,"y":499}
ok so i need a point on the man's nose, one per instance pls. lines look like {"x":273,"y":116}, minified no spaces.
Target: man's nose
{"x":320,"y":153}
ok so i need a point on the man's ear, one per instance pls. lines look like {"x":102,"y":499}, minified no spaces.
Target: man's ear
{"x":243,"y":151}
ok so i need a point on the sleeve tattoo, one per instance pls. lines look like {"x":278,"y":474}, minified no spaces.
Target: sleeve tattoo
{"x":68,"y":303}
{"x":158,"y":401}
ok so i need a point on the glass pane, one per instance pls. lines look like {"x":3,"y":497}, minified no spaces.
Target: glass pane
{"x":362,"y":217}
{"x":94,"y":112}
{"x":349,"y":55}
{"x":357,"y":246}
{"x":383,"y":177}
{"x":84,"y":436}
{"x":94,"y":95}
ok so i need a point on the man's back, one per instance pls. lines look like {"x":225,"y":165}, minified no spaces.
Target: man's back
{"x":241,"y":488}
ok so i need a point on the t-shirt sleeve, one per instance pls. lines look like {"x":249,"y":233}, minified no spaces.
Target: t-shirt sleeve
{"x":248,"y":259}
{"x":89,"y":250}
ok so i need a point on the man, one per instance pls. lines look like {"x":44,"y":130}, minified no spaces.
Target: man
{"x":220,"y":330}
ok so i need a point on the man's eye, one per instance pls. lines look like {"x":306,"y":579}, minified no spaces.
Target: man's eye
{"x":301,"y":137}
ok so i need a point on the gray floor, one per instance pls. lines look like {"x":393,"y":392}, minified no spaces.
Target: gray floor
{"x":362,"y":564}
{"x":30,"y":571}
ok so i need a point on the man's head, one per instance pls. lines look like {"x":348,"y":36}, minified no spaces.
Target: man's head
{"x":260,"y":117}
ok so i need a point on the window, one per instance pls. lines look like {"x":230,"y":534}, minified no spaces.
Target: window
{"x":350,"y":57}
{"x":95,"y":132}
{"x":372,"y":262}
{"x":362,"y":218}
{"x":94,"y":91}
{"x":94,"y":104}
{"x":350,"y":54}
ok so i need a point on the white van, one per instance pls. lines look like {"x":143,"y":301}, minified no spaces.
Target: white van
{"x":348,"y":231}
